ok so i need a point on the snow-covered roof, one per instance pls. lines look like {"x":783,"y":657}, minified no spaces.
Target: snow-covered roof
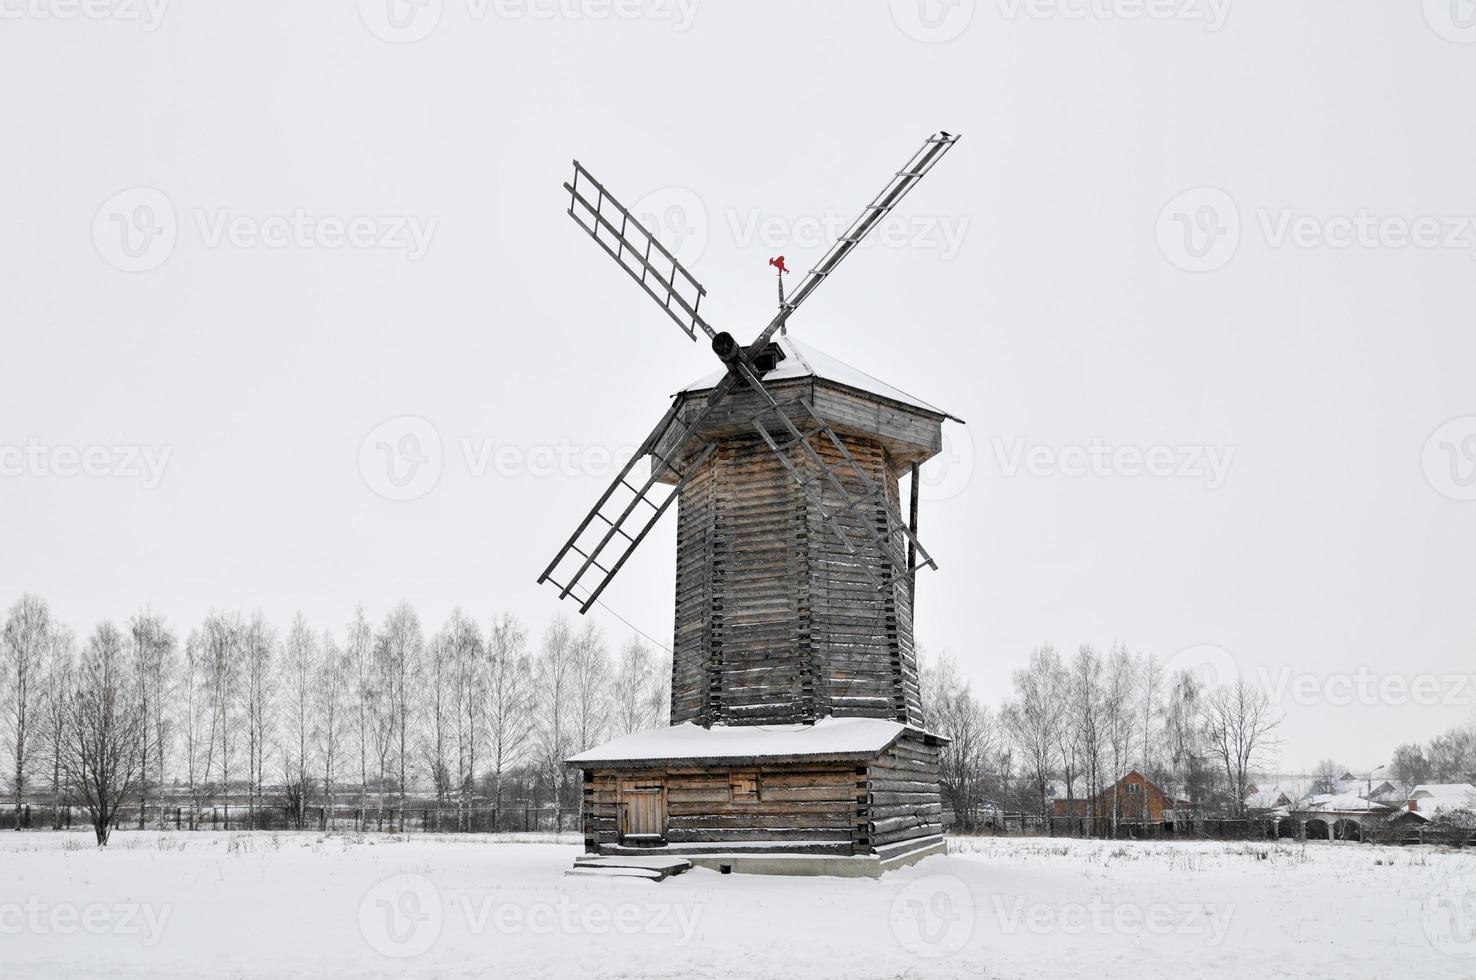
{"x":1441,"y":789}
{"x":688,"y":741}
{"x":1266,"y":799}
{"x":803,"y":361}
{"x":1428,"y":799}
{"x":1340,"y":803}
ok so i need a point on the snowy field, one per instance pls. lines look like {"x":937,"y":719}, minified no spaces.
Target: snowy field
{"x":310,"y":905}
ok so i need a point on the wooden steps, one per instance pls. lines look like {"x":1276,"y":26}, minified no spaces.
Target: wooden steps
{"x":655,"y":868}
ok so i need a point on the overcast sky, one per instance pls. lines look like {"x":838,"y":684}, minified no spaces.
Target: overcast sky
{"x":1199,"y":276}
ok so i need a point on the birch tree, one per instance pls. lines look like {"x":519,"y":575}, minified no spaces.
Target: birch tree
{"x":509,"y":699}
{"x":259,"y":649}
{"x":441,"y":714}
{"x":469,"y":705}
{"x":1087,"y":714}
{"x":634,"y":691}
{"x":333,"y":685}
{"x":1036,"y":718}
{"x":1119,"y":717}
{"x":402,"y":648}
{"x":26,"y":642}
{"x":359,"y":651}
{"x":221,"y":636}
{"x":55,"y":707}
{"x":591,"y":676}
{"x":154,"y":652}
{"x":195,"y":717}
{"x":554,"y":732}
{"x":299,"y":677}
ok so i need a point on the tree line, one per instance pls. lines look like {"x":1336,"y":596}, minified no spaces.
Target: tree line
{"x":374,"y":714}
{"x":1072,"y":727}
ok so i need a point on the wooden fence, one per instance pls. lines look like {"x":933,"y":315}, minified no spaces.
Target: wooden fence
{"x":418,"y":818}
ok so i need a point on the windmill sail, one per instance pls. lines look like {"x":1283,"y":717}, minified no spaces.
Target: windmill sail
{"x":637,"y":251}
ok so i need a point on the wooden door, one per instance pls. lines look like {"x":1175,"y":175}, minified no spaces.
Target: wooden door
{"x":643,"y":811}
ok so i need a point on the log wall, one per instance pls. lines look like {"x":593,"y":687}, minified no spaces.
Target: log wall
{"x":809,"y":807}
{"x":902,"y":798}
{"x":777,"y":621}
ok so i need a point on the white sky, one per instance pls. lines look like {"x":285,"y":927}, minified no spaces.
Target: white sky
{"x":1031,"y":288}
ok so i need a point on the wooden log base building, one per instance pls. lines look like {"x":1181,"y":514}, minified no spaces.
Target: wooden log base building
{"x":797,"y":742}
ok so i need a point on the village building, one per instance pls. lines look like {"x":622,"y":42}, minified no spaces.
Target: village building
{"x":1134,"y":797}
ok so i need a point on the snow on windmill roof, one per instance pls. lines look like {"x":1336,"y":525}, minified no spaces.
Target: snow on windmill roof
{"x":689,"y":741}
{"x":803,"y":361}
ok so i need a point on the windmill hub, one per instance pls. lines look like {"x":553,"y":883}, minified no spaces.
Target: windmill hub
{"x":797,"y":722}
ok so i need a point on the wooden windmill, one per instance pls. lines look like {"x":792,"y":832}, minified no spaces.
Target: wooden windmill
{"x":797,"y":735}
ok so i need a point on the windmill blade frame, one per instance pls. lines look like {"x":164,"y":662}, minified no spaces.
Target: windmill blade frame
{"x":902,"y":182}
{"x":631,"y":251}
{"x":616,"y":526}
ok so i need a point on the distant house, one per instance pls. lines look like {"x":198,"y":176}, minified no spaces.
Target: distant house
{"x":1429,"y":799}
{"x":1137,"y":798}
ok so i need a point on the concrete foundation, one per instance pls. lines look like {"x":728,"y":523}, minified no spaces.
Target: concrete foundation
{"x":834,"y":865}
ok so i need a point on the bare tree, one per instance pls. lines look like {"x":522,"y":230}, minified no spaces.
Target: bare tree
{"x":1036,"y":717}
{"x":102,"y":752}
{"x":1150,"y":710}
{"x":154,"y":650}
{"x":1241,"y":728}
{"x":27,"y":641}
{"x":359,"y":650}
{"x":555,"y":680}
{"x":509,"y":698}
{"x":55,"y":708}
{"x":332,"y":688}
{"x":1452,"y":755}
{"x":300,"y":673}
{"x":1325,"y":776}
{"x":402,"y":649}
{"x":469,"y":705}
{"x":195,"y":717}
{"x":439,"y":698}
{"x":222,"y":642}
{"x":1183,"y":732}
{"x":591,"y":687}
{"x":1088,"y":713}
{"x":953,"y":711}
{"x":259,"y":647}
{"x":1409,"y":768}
{"x":635,"y":690}
{"x":1119,"y":718}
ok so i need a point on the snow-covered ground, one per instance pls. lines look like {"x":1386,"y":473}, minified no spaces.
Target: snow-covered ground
{"x":307,"y":905}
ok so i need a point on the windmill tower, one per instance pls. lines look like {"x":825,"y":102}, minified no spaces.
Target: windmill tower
{"x":798,"y":742}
